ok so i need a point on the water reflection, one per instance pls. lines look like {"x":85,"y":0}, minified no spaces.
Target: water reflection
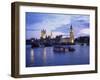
{"x":47,"y":54}
{"x":44,"y":55}
{"x":32,"y":56}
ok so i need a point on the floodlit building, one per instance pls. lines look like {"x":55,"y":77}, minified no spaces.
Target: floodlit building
{"x":43,"y":34}
{"x":69,"y":39}
{"x":63,"y":39}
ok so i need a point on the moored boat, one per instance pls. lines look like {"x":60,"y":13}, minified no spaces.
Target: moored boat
{"x":63,"y":49}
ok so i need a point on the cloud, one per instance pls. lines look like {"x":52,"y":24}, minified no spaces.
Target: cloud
{"x":84,"y":32}
{"x":81,"y":18}
{"x":81,"y":21}
{"x":32,"y":29}
{"x":51,"y":22}
{"x":57,"y":23}
{"x":63,"y":28}
{"x":33,"y":34}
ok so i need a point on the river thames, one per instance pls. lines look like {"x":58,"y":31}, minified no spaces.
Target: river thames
{"x":36,"y":57}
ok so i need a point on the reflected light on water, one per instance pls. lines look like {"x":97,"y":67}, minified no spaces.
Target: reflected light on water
{"x":44,"y":55}
{"x":51,"y":53}
{"x":32,"y":56}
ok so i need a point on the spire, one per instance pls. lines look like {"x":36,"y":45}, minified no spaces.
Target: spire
{"x":71,"y":27}
{"x":71,"y":35}
{"x":51,"y":33}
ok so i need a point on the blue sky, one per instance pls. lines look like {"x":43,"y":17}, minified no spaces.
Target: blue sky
{"x":58,"y":24}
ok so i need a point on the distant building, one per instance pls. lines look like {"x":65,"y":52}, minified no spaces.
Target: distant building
{"x":69,"y":39}
{"x":43,"y":34}
{"x":59,"y":39}
{"x":71,"y":35}
{"x":65,"y":40}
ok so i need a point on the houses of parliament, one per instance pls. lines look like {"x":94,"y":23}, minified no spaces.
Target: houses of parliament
{"x":69,"y":39}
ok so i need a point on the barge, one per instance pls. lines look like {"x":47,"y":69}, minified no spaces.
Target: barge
{"x":63,"y":49}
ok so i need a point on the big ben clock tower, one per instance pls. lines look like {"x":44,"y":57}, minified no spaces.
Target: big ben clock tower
{"x":71,"y":35}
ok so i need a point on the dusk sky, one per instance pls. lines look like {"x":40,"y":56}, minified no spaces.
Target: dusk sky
{"x":58,"y":24}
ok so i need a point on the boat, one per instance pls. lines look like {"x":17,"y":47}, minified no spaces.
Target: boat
{"x":63,"y":49}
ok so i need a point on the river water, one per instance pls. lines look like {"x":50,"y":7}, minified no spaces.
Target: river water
{"x":47,"y":57}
